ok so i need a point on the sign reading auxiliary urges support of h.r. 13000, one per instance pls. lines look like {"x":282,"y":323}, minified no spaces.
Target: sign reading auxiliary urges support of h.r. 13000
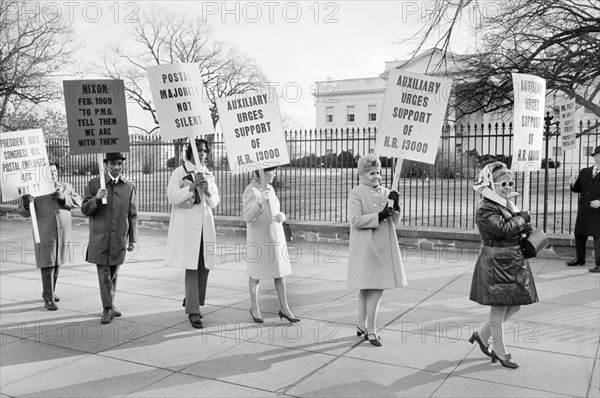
{"x":252,"y":130}
{"x":412,"y":114}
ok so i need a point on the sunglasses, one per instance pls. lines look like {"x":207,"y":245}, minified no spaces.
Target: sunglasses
{"x":503,"y":184}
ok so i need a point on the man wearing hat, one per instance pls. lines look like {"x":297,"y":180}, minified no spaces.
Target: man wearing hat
{"x":113,"y":228}
{"x":54,"y":222}
{"x":588,"y":212}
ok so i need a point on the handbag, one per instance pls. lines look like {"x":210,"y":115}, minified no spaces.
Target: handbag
{"x":288,"y":232}
{"x":534,"y":243}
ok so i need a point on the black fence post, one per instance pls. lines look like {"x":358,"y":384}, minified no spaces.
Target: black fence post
{"x":547,"y":136}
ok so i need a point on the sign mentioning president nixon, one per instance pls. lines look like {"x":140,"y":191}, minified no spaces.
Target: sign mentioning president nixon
{"x":252,"y":130}
{"x":96,"y":116}
{"x":24,"y":164}
{"x":178,"y":92}
{"x":412,"y":115}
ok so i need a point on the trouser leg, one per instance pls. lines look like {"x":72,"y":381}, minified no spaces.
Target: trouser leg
{"x":48,"y":283}
{"x":105,"y":284}
{"x":114,"y":274}
{"x":597,"y":250}
{"x":192,"y":297}
{"x":580,"y":241}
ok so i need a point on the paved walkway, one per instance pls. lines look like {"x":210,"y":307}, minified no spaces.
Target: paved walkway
{"x":153,"y":351}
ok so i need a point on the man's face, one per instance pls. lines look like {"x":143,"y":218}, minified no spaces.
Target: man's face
{"x":53,"y":173}
{"x":114,"y":167}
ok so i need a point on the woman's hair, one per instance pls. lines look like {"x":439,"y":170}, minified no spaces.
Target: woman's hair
{"x":499,"y":169}
{"x":188,"y":152}
{"x":257,"y":172}
{"x":367,"y":163}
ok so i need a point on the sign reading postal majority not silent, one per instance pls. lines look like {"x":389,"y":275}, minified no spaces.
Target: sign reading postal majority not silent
{"x":253,"y":131}
{"x":178,"y":91}
{"x":24,"y":164}
{"x":412,"y":115}
{"x":529,"y":101}
{"x":96,"y":116}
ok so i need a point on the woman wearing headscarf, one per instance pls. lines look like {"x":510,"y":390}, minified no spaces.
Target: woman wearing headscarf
{"x":502,"y":277}
{"x":374,"y":262}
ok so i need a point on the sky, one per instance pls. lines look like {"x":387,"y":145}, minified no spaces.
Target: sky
{"x":295,"y":43}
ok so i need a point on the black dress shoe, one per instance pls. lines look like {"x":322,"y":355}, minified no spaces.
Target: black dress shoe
{"x":56,"y":298}
{"x":117,"y":312}
{"x":107,"y":315}
{"x":376,"y":341}
{"x":50,"y":306}
{"x":575,"y":262}
{"x":507,"y":362}
{"x":595,"y":269}
{"x":197,"y":323}
{"x":289,"y":318}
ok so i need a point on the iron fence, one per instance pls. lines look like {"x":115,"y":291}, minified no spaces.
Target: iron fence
{"x":322,"y":172}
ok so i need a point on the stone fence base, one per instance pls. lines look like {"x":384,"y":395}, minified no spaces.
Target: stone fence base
{"x":421,"y":238}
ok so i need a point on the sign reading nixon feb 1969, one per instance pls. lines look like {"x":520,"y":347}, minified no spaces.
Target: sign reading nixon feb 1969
{"x":412,"y":115}
{"x":96,"y":116}
{"x":252,"y":130}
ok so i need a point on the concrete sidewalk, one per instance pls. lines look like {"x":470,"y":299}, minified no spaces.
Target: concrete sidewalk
{"x":153,"y":351}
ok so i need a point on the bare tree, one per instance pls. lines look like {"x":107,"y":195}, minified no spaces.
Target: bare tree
{"x":558,"y":40}
{"x":160,"y":37}
{"x":34,"y":46}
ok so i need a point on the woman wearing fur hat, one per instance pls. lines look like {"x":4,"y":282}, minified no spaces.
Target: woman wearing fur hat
{"x":502,"y":277}
{"x":374,"y":262}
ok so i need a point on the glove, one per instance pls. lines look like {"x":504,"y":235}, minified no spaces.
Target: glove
{"x":27,"y":201}
{"x":526,"y":216}
{"x":527,"y":229}
{"x":395,"y":196}
{"x":385,"y":213}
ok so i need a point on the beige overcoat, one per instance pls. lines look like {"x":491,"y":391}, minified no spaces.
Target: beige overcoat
{"x":54,"y":224}
{"x":266,"y":250}
{"x":190,"y":222}
{"x":374,"y":260}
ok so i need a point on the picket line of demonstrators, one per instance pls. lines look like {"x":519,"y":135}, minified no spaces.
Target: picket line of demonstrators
{"x":502,"y":277}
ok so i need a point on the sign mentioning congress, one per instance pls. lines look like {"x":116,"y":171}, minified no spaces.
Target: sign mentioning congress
{"x":253,"y":131}
{"x":178,"y":92}
{"x":24,"y":163}
{"x":412,"y":115}
{"x":529,"y":102}
{"x":96,"y":116}
{"x":568,"y":123}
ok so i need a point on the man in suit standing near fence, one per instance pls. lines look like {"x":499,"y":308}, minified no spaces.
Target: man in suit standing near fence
{"x":588,"y":212}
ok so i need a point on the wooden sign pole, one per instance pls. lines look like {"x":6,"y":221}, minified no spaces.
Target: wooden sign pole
{"x":100,"y":158}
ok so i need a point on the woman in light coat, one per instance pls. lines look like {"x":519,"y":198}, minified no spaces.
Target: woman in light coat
{"x":193,"y":194}
{"x":266,"y":238}
{"x":374,"y":262}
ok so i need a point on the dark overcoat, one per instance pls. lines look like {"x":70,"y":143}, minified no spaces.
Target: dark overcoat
{"x":112,"y":225}
{"x":54,"y":224}
{"x":588,"y":219}
{"x":502,"y":276}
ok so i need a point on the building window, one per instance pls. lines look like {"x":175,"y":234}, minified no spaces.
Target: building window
{"x":329,"y":114}
{"x":372,"y":113}
{"x":588,"y":150}
{"x":350,"y":114}
{"x":557,"y":152}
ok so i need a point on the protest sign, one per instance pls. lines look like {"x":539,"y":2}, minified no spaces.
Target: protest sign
{"x":568,"y":122}
{"x":253,"y":131}
{"x":412,"y":116}
{"x":529,"y":102}
{"x":178,"y":93}
{"x":25,"y":169}
{"x":96,"y":116}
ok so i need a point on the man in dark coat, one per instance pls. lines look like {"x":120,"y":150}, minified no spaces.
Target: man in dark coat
{"x":53,"y":213}
{"x":113,"y":228}
{"x":588,"y":213}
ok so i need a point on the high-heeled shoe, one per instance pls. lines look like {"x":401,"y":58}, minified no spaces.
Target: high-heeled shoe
{"x":360,"y":332}
{"x":376,"y":342}
{"x":257,"y":320}
{"x":197,"y":323}
{"x":507,"y":363}
{"x":482,"y":347}
{"x":290,"y":319}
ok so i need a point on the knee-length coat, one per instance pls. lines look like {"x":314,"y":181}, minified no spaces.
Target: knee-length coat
{"x":588,"y":219}
{"x":190,"y":223}
{"x":112,"y":225}
{"x":266,"y":250}
{"x":54,"y":223}
{"x":374,"y":260}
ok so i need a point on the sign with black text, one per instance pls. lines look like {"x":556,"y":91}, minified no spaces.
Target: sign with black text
{"x":24,"y":163}
{"x":253,"y":131}
{"x":96,"y":116}
{"x":412,"y":116}
{"x":178,"y":93}
{"x":529,"y":102}
{"x":568,"y":124}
